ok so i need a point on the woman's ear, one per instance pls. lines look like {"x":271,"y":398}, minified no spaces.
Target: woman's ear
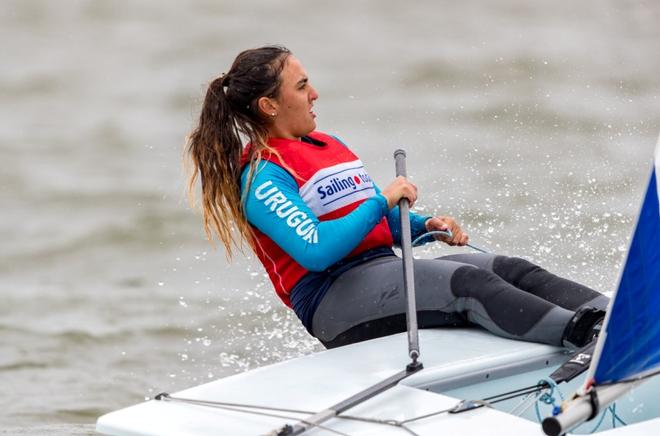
{"x":267,"y":106}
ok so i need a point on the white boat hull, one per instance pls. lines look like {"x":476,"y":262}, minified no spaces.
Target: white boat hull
{"x":459,"y":364}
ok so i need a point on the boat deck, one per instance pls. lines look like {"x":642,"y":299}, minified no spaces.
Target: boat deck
{"x":452,"y":358}
{"x":326,"y":378}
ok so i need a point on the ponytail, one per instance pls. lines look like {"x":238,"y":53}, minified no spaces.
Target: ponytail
{"x":215,"y":146}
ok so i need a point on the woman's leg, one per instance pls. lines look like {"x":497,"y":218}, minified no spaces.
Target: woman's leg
{"x":369,"y":301}
{"x":533,"y":279}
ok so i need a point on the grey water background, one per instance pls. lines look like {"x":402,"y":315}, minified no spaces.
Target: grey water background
{"x":533,"y":123}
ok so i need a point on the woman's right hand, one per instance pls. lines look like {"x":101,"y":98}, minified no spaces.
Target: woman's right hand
{"x":398,"y":189}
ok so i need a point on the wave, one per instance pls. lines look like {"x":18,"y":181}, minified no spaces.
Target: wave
{"x":79,"y":336}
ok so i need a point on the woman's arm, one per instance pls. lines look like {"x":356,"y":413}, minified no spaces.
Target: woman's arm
{"x":421,"y":224}
{"x":417,"y":222}
{"x":274,"y":206}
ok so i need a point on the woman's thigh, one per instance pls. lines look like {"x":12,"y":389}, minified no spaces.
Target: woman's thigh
{"x":375,"y":290}
{"x":369,"y":301}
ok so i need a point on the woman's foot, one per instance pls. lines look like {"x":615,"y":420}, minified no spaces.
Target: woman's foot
{"x":584,"y":327}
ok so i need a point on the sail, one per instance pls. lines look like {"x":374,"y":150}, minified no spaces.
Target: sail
{"x":631,"y":336}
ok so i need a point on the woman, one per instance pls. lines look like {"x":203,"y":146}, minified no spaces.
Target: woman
{"x":324,"y":231}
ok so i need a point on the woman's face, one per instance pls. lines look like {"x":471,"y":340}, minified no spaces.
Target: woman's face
{"x":293,"y":106}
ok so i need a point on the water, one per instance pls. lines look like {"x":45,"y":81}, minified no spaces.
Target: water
{"x":532,"y":124}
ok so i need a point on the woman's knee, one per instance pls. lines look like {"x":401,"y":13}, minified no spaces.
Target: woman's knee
{"x":471,"y":282}
{"x":514,"y":269}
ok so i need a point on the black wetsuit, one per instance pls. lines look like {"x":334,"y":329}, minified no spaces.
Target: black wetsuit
{"x":509,"y":296}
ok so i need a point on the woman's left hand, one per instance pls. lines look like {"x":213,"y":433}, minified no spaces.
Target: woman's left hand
{"x":444,"y":223}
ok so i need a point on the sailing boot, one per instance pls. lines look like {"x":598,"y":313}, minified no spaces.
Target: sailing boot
{"x":584,"y":327}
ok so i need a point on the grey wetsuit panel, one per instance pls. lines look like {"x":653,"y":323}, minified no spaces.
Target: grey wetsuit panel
{"x":449,"y":291}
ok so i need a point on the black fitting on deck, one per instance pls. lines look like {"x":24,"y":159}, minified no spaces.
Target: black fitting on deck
{"x":414,"y":366}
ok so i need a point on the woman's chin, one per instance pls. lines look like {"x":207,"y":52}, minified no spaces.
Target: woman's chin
{"x":311,"y":128}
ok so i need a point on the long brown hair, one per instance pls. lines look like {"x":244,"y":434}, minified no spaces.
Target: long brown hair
{"x":215,"y":146}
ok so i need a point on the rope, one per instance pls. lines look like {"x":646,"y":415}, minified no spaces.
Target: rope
{"x":463,"y":406}
{"x":600,"y":421}
{"x":524,"y":404}
{"x":237,"y":407}
{"x":241,"y":409}
{"x":445,"y":233}
{"x":548,"y":398}
{"x":428,"y":415}
{"x":615,"y":418}
{"x":487,"y":402}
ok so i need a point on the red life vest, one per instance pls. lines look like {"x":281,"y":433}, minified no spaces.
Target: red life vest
{"x":324,"y":174}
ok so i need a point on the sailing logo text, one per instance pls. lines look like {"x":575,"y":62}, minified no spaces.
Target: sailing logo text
{"x":341,"y":184}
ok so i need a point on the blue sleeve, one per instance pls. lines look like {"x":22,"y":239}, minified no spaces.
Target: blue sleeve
{"x":417,"y":225}
{"x":274,"y":206}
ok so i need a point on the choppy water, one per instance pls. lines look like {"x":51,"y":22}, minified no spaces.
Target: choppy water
{"x":533,"y":123}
